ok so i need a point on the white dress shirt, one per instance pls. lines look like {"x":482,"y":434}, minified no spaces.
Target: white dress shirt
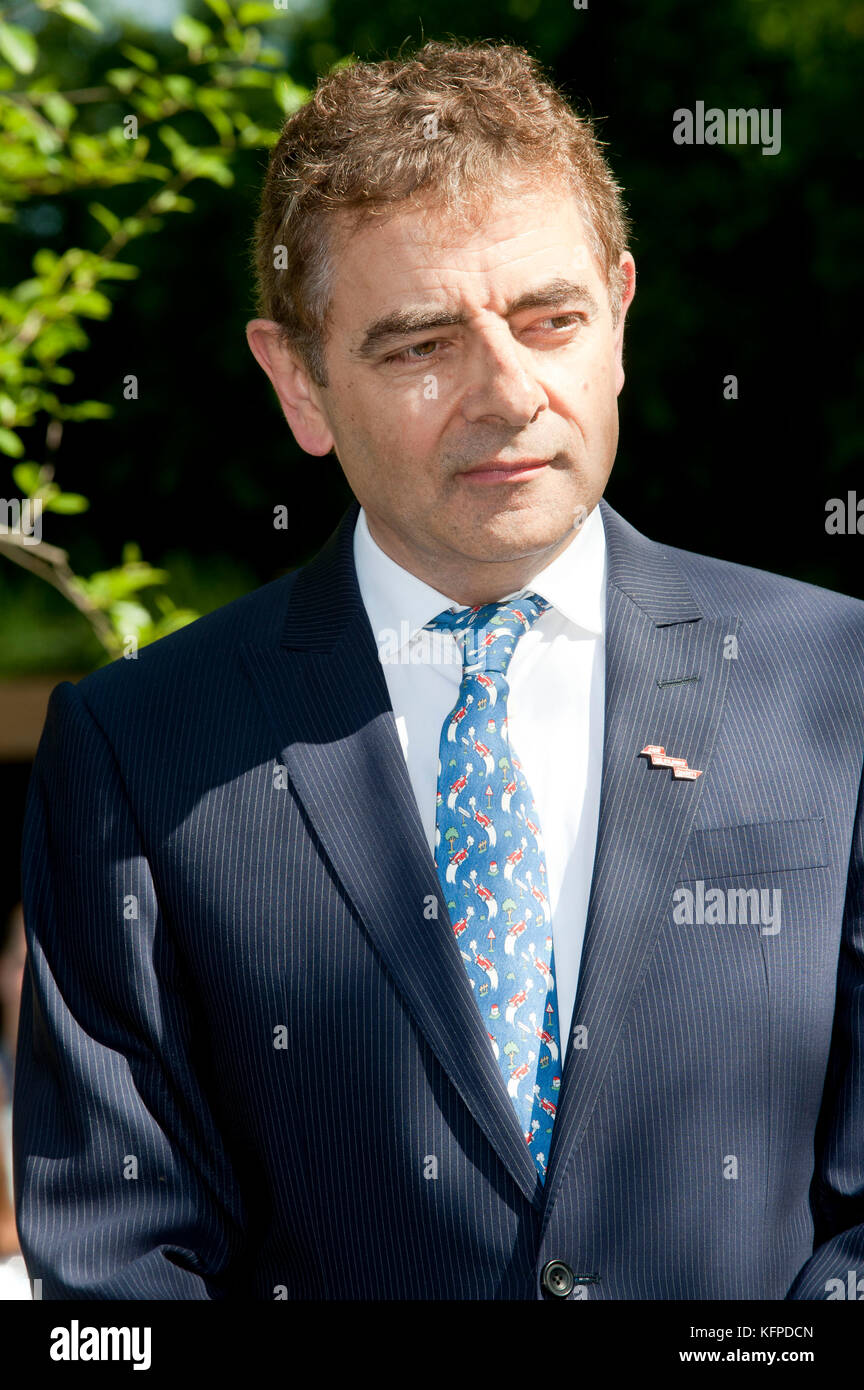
{"x":555,"y":711}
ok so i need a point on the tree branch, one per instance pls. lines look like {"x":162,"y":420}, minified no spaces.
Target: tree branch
{"x":51,"y":563}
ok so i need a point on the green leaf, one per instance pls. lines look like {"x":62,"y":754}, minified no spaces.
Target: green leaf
{"x":18,"y":47}
{"x":56,"y":339}
{"x":90,"y":303}
{"x":180,"y":87}
{"x":108,"y":219}
{"x":147,"y":61}
{"x":28,"y":290}
{"x":253,"y":13}
{"x":79,"y":14}
{"x":245,"y":77}
{"x":45,"y":261}
{"x":67,"y":503}
{"x":119,"y":270}
{"x":221,"y":123}
{"x":181,"y":151}
{"x":169,"y":201}
{"x":221,"y":9}
{"x":27,"y":477}
{"x":237,"y":41}
{"x":124,"y":79}
{"x":289,"y":94}
{"x":10,"y":443}
{"x":111,"y":586}
{"x":133,"y":227}
{"x":173,"y":621}
{"x":191,"y":32}
{"x":129,"y":619}
{"x":87,"y":410}
{"x":58,"y":110}
{"x":211,"y":166}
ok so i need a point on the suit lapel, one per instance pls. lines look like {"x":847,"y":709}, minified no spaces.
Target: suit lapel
{"x":327,"y":700}
{"x":666,"y":680}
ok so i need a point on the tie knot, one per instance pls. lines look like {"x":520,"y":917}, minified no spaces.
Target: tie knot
{"x":490,"y":631}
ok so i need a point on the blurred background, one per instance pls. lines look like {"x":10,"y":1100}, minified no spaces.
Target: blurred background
{"x":132,"y":412}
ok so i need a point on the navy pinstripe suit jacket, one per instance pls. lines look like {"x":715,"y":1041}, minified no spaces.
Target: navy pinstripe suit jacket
{"x":250,"y":1062}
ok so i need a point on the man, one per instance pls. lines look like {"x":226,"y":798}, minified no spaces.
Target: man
{"x":343,"y":983}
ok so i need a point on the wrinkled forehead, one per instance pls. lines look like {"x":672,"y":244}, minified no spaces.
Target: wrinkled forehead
{"x":504,"y":239}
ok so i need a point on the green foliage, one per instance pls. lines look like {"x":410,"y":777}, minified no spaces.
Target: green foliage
{"x":169,"y":123}
{"x":40,"y":633}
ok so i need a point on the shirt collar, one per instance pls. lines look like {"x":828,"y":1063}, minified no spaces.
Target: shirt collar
{"x":399,"y":603}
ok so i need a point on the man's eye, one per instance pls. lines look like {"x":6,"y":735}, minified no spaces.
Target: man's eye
{"x":566,"y":320}
{"x":406,"y":354}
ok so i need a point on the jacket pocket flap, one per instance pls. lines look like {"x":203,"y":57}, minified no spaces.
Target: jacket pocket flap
{"x":734,"y":851}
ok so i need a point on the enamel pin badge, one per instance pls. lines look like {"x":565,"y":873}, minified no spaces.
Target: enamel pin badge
{"x":679,"y":766}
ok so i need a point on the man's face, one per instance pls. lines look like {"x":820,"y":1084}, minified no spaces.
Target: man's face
{"x":451,"y":348}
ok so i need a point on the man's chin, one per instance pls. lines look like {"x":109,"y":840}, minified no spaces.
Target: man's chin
{"x":503,"y":539}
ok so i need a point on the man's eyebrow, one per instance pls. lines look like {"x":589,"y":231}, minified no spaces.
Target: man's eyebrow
{"x":402,"y":322}
{"x":555,"y":292}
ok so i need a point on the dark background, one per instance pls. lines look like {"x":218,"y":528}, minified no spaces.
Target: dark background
{"x":747,"y":264}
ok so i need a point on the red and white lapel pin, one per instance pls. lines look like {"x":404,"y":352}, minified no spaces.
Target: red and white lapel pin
{"x":660,"y":758}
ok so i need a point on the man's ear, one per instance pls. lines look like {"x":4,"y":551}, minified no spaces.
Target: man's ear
{"x":294,"y":387}
{"x":628,"y":272}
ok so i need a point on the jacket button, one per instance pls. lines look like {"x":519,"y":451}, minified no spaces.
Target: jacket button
{"x":556,"y":1279}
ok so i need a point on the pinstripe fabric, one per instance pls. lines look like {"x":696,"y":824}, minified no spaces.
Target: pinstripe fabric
{"x":250,"y":1065}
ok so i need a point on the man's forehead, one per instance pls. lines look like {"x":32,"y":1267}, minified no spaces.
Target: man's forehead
{"x":424,"y":256}
{"x":506,"y":229}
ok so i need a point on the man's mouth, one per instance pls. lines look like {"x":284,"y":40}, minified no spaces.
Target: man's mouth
{"x":494,"y":471}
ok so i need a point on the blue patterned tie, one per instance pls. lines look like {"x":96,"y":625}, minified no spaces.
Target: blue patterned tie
{"x":490,"y":860}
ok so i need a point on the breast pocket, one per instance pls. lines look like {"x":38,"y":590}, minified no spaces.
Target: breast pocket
{"x":742,"y":851}
{"x":753,"y":875}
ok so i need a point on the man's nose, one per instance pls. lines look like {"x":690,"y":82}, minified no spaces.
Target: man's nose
{"x":499,"y":383}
